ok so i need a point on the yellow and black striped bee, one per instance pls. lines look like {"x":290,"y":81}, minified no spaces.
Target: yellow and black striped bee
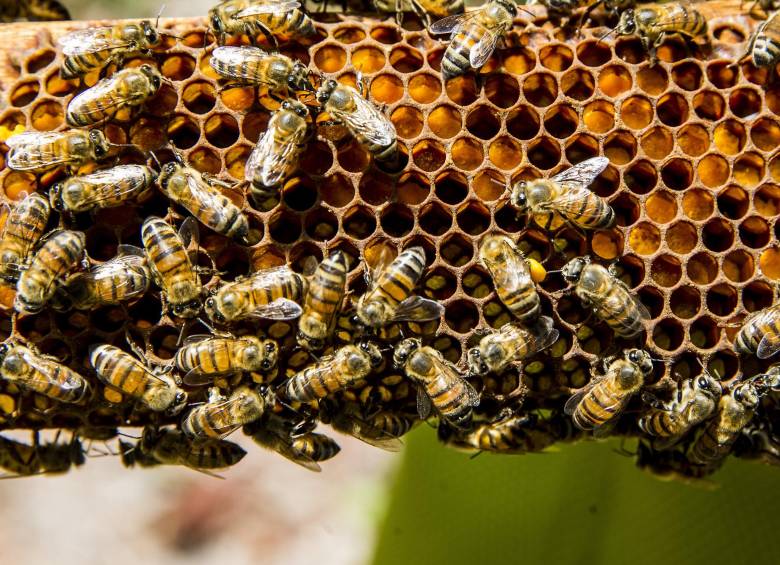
{"x":332,"y":373}
{"x":121,"y":279}
{"x":601,"y":402}
{"x":272,"y":18}
{"x":32,"y":11}
{"x":199,"y":194}
{"x":559,"y":9}
{"x":296,"y":442}
{"x":654,"y":24}
{"x":276,"y":155}
{"x":511,"y":344}
{"x":381,"y":429}
{"x":565,"y":195}
{"x":389,"y":296}
{"x":346,"y":106}
{"x":254,"y":66}
{"x":125,"y":89}
{"x":24,"y":460}
{"x":508,"y":434}
{"x":672,"y":465}
{"x":314,"y":446}
{"x":41,"y":151}
{"x":764,"y":45}
{"x":511,"y":276}
{"x":760,"y":333}
{"x":87,"y":50}
{"x":694,"y":402}
{"x":41,"y":374}
{"x":202,"y":358}
{"x":23,"y":228}
{"x":272,"y":293}
{"x":735,"y":411}
{"x":154,"y":387}
{"x":221,"y":416}
{"x":62,"y":252}
{"x":425,"y":9}
{"x":438,"y":382}
{"x":327,"y":287}
{"x":102,"y":189}
{"x":172,"y":447}
{"x":474,"y":36}
{"x":172,"y":269}
{"x":611,"y":300}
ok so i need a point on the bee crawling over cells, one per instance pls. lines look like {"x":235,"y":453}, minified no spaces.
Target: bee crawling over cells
{"x":474,"y":36}
{"x":603,"y":399}
{"x":389,"y":296}
{"x":764,"y":45}
{"x":760,"y":333}
{"x":102,"y":189}
{"x":566,"y":195}
{"x":509,"y":434}
{"x":381,"y":429}
{"x":425,"y":9}
{"x":41,"y":151}
{"x":511,"y":344}
{"x":611,"y":300}
{"x":272,"y":18}
{"x":559,"y":9}
{"x":254,"y":66}
{"x":327,"y":287}
{"x":439,"y":384}
{"x":221,"y":416}
{"x":24,"y":226}
{"x":25,"y":460}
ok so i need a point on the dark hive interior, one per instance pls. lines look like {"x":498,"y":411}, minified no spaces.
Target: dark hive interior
{"x":694,"y":180}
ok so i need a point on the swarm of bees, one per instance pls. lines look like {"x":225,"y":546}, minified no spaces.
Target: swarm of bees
{"x":362,"y":359}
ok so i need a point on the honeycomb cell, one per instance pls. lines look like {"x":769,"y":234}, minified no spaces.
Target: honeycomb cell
{"x":359,"y":222}
{"x":607,"y":244}
{"x":483,"y":122}
{"x":408,"y":121}
{"x":523,"y":123}
{"x":429,"y":155}
{"x":375,"y":188}
{"x":754,"y":232}
{"x":681,"y":237}
{"x":519,"y":61}
{"x":668,"y":334}
{"x":183,"y":132}
{"x":666,"y":270}
{"x":693,"y":139}
{"x":709,"y":105}
{"x":713,"y":170}
{"x":561,"y":121}
{"x":438,"y":284}
{"x":435,"y":219}
{"x":178,"y":67}
{"x":620,"y":147}
{"x":722,"y":74}
{"x":705,"y":333}
{"x":614,"y":80}
{"x":284,"y":227}
{"x":488,"y":185}
{"x":205,"y":160}
{"x":641,"y":177}
{"x":24,"y":93}
{"x":598,"y":116}
{"x":661,"y":207}
{"x":593,"y":53}
{"x":462,"y":90}
{"x":630,"y":50}
{"x":766,"y":200}
{"x":540,"y":89}
{"x":466,"y":153}
{"x":722,"y":300}
{"x":672,"y":109}
{"x":757,"y":296}
{"x":733,"y":202}
{"x":698,"y":204}
{"x":57,"y":86}
{"x":405,"y":59}
{"x":685,"y":302}
{"x":396,"y":220}
{"x":723,"y":364}
{"x":749,"y":169}
{"x":299,"y":194}
{"x":451,"y":187}
{"x":581,"y":147}
{"x":652,"y":80}
{"x":745,"y":102}
{"x":578,"y":84}
{"x":445,"y":121}
{"x":473,"y":218}
{"x":412,"y":188}
{"x":461,"y":316}
{"x":765,"y":134}
{"x":718,"y":235}
{"x":730,"y":137}
{"x":47,"y":115}
{"x":199,"y":97}
{"x":502,"y":90}
{"x":626,"y":208}
{"x":556,"y":57}
{"x":40,"y":59}
{"x":369,"y":60}
{"x":221,"y":130}
{"x":738,"y":266}
{"x":677,"y":174}
{"x":386,"y":89}
{"x":644,"y":238}
{"x":330,"y":58}
{"x":353,"y":157}
{"x":476,"y":282}
{"x":543,"y":153}
{"x":254,"y":124}
{"x":687,"y":76}
{"x":385,"y":34}
{"x":769,"y":263}
{"x":337,"y":190}
{"x":456,"y":250}
{"x":423,"y":88}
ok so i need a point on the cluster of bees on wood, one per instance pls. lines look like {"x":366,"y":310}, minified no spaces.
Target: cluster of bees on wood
{"x":686,"y":434}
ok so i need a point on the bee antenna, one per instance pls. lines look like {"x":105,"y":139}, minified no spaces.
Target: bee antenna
{"x":123,"y":434}
{"x":157,"y":21}
{"x":155,"y":159}
{"x":606,"y":35}
{"x":529,"y":12}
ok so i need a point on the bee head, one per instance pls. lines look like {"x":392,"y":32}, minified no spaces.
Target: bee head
{"x":746,"y":394}
{"x":55,"y":197}
{"x":627,"y":23}
{"x":4,"y":349}
{"x":573,"y":269}
{"x":404,"y":350}
{"x":270,"y":354}
{"x":100,"y":145}
{"x":519,"y":197}
{"x":476,"y":365}
{"x":187,"y":309}
{"x":708,"y":385}
{"x":154,"y":76}
{"x":22,"y":305}
{"x":299,"y":78}
{"x":374,"y":355}
{"x":641,"y":359}
{"x":178,"y":404}
{"x":216,"y":23}
{"x":212,"y":311}
{"x":151,"y":36}
{"x":324,"y":92}
{"x":510,"y":7}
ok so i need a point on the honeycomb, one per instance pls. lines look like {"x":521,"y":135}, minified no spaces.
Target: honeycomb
{"x":694,"y":179}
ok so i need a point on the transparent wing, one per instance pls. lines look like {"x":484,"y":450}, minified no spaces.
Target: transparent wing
{"x":768,"y":346}
{"x":188,"y":232}
{"x":280,"y":443}
{"x":195,"y":377}
{"x":617,"y":305}
{"x":5,"y":211}
{"x":273,"y":160}
{"x":380,"y":264}
{"x":576,"y":398}
{"x":26,"y":229}
{"x":543,"y":335}
{"x":196,"y":338}
{"x":583,"y":173}
{"x":111,"y":178}
{"x":87,"y":104}
{"x":262,"y":7}
{"x":117,"y":269}
{"x":451,"y":23}
{"x":367,"y":120}
{"x":131,"y":251}
{"x":484,"y":48}
{"x":368,"y":433}
{"x":279,"y":309}
{"x":92,"y":40}
{"x":227,"y":406}
{"x":424,"y":406}
{"x":238,"y":62}
{"x":418,"y":309}
{"x":515,"y":275}
{"x":451,"y":373}
{"x":31,"y":150}
{"x":32,"y":138}
{"x":569,"y":203}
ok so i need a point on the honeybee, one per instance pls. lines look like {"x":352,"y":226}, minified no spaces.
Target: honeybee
{"x":511,"y":276}
{"x":32,"y":11}
{"x":24,"y":225}
{"x":512,"y":343}
{"x":86,"y":50}
{"x":296,"y":442}
{"x":269,"y":17}
{"x":41,"y":374}
{"x":204,"y":357}
{"x":694,"y":402}
{"x":24,"y":460}
{"x":474,"y":36}
{"x":673,"y":465}
{"x":327,"y":287}
{"x":509,"y":434}
{"x":558,"y":9}
{"x":199,"y":195}
{"x":126,"y":88}
{"x":254,"y":66}
{"x":102,"y":189}
{"x":171,"y":267}
{"x":653,"y":24}
{"x":154,"y":387}
{"x":567,"y":195}
{"x":760,"y":333}
{"x":370,"y":127}
{"x":389,"y":296}
{"x":332,"y":373}
{"x":381,"y":429}
{"x":272,"y":293}
{"x":735,"y":411}
{"x":604,"y":398}
{"x":62,"y":251}
{"x":19,"y":458}
{"x":221,"y":416}
{"x":40,"y":151}
{"x":611,"y":300}
{"x":276,"y":155}
{"x":172,"y":447}
{"x":764,"y":45}
{"x":425,"y":9}
{"x":122,"y":279}
{"x":438,"y":383}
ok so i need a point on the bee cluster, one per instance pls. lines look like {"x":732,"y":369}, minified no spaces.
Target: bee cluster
{"x":204,"y":235}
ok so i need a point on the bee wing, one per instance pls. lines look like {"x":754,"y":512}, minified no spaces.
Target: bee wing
{"x":236,"y":59}
{"x":543,"y":335}
{"x":117,"y":266}
{"x":226,"y":405}
{"x":569,"y":203}
{"x":576,"y":398}
{"x":768,"y":346}
{"x":273,"y":158}
{"x":113,"y":177}
{"x":418,"y":309}
{"x":90,"y":40}
{"x":616,"y":305}
{"x":103,"y":91}
{"x":358,"y":428}
{"x":268,"y":7}
{"x":366,"y":119}
{"x":451,"y":23}
{"x":516,"y":275}
{"x":33,"y":149}
{"x":279,"y":441}
{"x":188,"y":232}
{"x":194,"y":377}
{"x":445,"y":367}
{"x":582,"y":173}
{"x":131,"y":251}
{"x":279,"y":309}
{"x":374,"y":272}
{"x":424,"y":405}
{"x":484,"y":48}
{"x":196,"y":338}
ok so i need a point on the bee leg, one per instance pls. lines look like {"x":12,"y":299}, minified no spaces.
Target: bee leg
{"x":269,"y":36}
{"x":585,"y":17}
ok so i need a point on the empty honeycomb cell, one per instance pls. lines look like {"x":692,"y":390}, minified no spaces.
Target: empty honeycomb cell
{"x":451,"y":187}
{"x":598,"y":116}
{"x":672,"y":109}
{"x":483,"y":122}
{"x":540,"y":89}
{"x":614,"y":80}
{"x":698,"y":204}
{"x":163,"y":340}
{"x":221,"y":130}
{"x":666,"y":270}
{"x":687,"y":75}
{"x":757,"y":296}
{"x":502,"y":90}
{"x":570,"y":310}
{"x":556,"y":57}
{"x":412,"y":188}
{"x":353,"y":157}
{"x":199,"y":97}
{"x":641,"y":177}
{"x":284,"y":227}
{"x":733,"y":202}
{"x":435,"y":219}
{"x":626,"y":208}
{"x":709,"y":105}
{"x":705,"y":333}
{"x":205,"y":160}
{"x":456,"y":249}
{"x":336,"y":190}
{"x":722,"y":300}
{"x":39,"y":59}
{"x":713,"y":170}
{"x":182,"y":131}
{"x":543,"y":153}
{"x":593,"y":53}
{"x":375,"y":188}
{"x":299,"y":193}
{"x":445,"y":121}
{"x":581,"y":147}
{"x":681,"y":237}
{"x":657,"y":143}
{"x":723,"y":365}
{"x":47,"y":115}
{"x":630,"y":50}
{"x":462,"y":90}
{"x":685,"y":302}
{"x":386,"y":89}
{"x":561,"y":121}
{"x":652,"y":80}
{"x":523,"y":123}
{"x":607,"y":244}
{"x":745,"y":102}
{"x":254,"y":124}
{"x":754,"y":232}
{"x":359,"y":222}
{"x":686,"y":365}
{"x":578,"y":84}
{"x":668,"y":334}
{"x":397,"y":220}
{"x":730,"y":137}
{"x":718,"y":235}
{"x":467,"y":153}
{"x":722,"y":74}
{"x":661,"y":207}
{"x":369,"y":60}
{"x":473,"y":218}
{"x":489,"y":185}
{"x":429,"y":155}
{"x":24,"y":93}
{"x":765,"y":134}
{"x":17,"y":183}
{"x":749,"y":169}
{"x":330,"y":58}
{"x":476,"y":282}
{"x":178,"y":67}
{"x":644,"y":238}
{"x":438,"y":284}
{"x":434,"y":57}
{"x":620,"y":147}
{"x":772,"y":98}
{"x":677,"y":174}
{"x":408,"y":121}
{"x":423,"y":88}
{"x":738,"y":266}
{"x":693,"y":139}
